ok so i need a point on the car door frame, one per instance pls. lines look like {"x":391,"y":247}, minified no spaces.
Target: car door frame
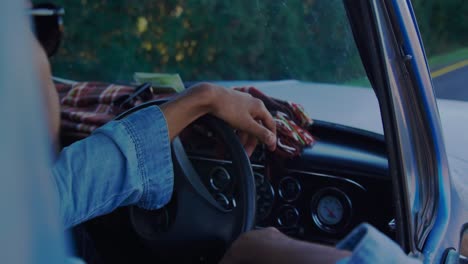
{"x":390,"y":45}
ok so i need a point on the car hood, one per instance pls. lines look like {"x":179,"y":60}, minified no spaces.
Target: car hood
{"x":358,"y":107}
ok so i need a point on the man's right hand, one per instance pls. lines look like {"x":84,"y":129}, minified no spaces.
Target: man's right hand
{"x":240,"y":110}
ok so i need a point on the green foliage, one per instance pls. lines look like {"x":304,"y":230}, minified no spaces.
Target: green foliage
{"x":208,"y":40}
{"x":448,"y":58}
{"x":443,"y":24}
{"x":230,"y":40}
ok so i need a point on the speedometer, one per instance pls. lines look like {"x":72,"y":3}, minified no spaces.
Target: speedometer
{"x":331,"y":210}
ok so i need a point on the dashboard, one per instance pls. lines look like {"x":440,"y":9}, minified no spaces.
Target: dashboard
{"x":320,"y":196}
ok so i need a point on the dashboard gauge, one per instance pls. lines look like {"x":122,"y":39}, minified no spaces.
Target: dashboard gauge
{"x":331,"y":210}
{"x":288,"y":216}
{"x":289,"y":189}
{"x":219,"y":178}
{"x":224,"y":201}
{"x":265,"y":196}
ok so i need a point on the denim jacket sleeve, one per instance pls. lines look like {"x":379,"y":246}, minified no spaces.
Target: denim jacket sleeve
{"x":370,"y":246}
{"x":122,"y":163}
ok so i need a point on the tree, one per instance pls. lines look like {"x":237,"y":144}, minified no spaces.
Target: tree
{"x":208,"y":40}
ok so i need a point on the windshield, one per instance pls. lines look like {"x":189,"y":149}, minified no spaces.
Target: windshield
{"x":231,"y":42}
{"x":208,"y":40}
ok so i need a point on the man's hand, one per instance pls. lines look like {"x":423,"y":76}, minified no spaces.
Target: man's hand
{"x":240,"y":110}
{"x":249,"y":115}
{"x":270,"y":246}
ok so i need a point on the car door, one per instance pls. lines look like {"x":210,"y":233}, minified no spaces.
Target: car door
{"x":387,"y":35}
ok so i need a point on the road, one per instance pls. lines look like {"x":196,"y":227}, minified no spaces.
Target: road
{"x":451,"y":82}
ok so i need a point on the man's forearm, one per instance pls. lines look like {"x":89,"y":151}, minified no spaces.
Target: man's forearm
{"x":271,"y":246}
{"x":295,"y":251}
{"x":187,"y":107}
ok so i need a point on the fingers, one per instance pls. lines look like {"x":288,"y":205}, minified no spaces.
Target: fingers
{"x":250,"y":145}
{"x":262,"y":114}
{"x":263,"y":134}
{"x":263,"y":126}
{"x":267,"y":123}
{"x":248,"y":141}
{"x":243,"y":137}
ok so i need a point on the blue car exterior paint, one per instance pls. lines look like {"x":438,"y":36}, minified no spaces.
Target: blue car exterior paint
{"x":444,"y":233}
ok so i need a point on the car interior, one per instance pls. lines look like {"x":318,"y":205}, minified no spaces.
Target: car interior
{"x":336,"y":183}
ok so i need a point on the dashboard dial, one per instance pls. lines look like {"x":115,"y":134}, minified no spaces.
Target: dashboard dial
{"x":224,"y":201}
{"x":288,"y":216}
{"x":265,"y":196}
{"x":219,"y":178}
{"x":331,"y":210}
{"x":289,"y":189}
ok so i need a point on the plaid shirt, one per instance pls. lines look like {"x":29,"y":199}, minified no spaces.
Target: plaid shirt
{"x":89,"y":105}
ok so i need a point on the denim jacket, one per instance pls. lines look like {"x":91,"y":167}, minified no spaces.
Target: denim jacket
{"x":124,"y":162}
{"x":129,"y":162}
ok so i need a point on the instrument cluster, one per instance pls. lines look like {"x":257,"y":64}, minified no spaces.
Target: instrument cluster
{"x":314,"y":206}
{"x":306,"y":205}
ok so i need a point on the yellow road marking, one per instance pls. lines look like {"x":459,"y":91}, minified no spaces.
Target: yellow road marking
{"x":450,"y":68}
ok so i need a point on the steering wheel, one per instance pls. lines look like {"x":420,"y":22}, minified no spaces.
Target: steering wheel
{"x":194,"y":222}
